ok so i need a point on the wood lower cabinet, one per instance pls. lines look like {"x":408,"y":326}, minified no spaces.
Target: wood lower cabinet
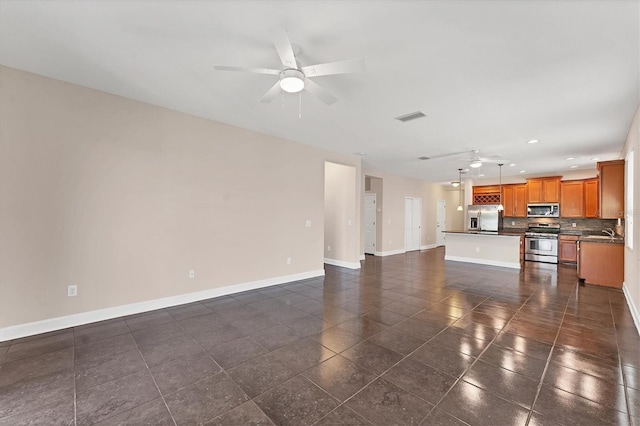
{"x":601,"y":263}
{"x":543,"y":190}
{"x":591,"y":195}
{"x":572,"y":198}
{"x":611,"y":189}
{"x":514,"y":200}
{"x":568,"y":248}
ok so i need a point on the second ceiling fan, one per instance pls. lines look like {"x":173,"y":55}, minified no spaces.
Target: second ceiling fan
{"x":294,"y":78}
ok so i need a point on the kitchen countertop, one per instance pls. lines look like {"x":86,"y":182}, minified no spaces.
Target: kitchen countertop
{"x":497,"y":234}
{"x":601,"y":239}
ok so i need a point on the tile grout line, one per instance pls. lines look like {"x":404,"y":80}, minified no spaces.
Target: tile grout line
{"x":481,"y":353}
{"x":546,"y":365}
{"x":624,"y":376}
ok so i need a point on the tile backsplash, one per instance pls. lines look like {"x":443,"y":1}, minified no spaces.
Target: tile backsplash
{"x":594,"y":225}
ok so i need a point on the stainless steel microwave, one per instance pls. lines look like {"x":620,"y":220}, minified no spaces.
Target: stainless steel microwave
{"x":543,"y":210}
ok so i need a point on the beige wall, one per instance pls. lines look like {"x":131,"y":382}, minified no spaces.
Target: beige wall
{"x":632,"y":258}
{"x":341,"y":242}
{"x":455,"y":219}
{"x":123,"y":198}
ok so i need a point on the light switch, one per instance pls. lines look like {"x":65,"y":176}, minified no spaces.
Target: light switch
{"x":349,"y":222}
{"x":308,"y":223}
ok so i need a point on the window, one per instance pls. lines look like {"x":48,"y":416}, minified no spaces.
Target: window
{"x":628,"y":200}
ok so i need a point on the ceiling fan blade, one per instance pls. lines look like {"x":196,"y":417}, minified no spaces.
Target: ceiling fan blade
{"x":450,"y":154}
{"x":338,"y":67}
{"x":283,"y":46}
{"x":318,"y":91}
{"x":271,"y":93}
{"x":245,"y":69}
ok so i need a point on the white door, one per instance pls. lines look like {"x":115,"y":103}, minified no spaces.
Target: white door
{"x":441,"y":222}
{"x":412,"y":223}
{"x":370,"y":223}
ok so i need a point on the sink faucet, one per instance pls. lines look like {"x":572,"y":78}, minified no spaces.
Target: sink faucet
{"x":609,"y":232}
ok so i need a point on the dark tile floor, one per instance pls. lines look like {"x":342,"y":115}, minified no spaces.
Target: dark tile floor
{"x":408,"y":339}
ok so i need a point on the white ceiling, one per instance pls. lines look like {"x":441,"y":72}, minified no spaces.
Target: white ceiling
{"x":489,"y":75}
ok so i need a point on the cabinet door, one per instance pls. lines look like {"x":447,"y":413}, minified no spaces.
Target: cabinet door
{"x":551,"y":190}
{"x":534,"y":190}
{"x":568,"y":251}
{"x":572,"y":199}
{"x":591,"y":198}
{"x":520,"y":200}
{"x":611,"y":189}
{"x":508,"y":200}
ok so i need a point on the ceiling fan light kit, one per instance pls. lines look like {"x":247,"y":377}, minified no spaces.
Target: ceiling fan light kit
{"x":475,"y":164}
{"x":292,"y":81}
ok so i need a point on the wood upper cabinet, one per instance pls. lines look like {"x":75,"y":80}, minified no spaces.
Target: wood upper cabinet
{"x":543,"y":190}
{"x":572,"y":198}
{"x":486,"y":194}
{"x":591,"y":198}
{"x":514,"y":200}
{"x":611,"y":189}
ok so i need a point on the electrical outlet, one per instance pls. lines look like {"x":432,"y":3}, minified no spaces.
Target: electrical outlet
{"x":477,"y":249}
{"x":192,"y":273}
{"x":349,"y":223}
{"x":308,"y":224}
{"x":513,"y":223}
{"x":72,"y":290}
{"x":288,"y":261}
{"x":573,"y":224}
{"x":328,"y":248}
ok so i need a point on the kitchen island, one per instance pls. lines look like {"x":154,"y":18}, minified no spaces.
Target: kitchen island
{"x":485,"y":248}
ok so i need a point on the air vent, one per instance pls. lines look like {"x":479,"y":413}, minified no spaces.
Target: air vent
{"x":410,"y":116}
{"x":423,"y":158}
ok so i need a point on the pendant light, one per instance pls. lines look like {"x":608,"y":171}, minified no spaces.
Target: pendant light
{"x":460,"y":190}
{"x":500,"y":206}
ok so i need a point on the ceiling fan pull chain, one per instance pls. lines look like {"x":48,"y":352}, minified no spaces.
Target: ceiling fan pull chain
{"x":282,"y":99}
{"x":300,"y":106}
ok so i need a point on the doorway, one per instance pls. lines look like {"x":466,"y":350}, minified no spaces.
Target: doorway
{"x":370,"y":223}
{"x":412,"y":223}
{"x":441,"y":222}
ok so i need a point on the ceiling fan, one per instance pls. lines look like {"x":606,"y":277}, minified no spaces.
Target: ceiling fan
{"x":474,"y":158}
{"x":294,"y":78}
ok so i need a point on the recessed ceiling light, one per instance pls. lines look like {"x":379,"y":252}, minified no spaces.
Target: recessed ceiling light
{"x":573,"y":167}
{"x":523,"y":171}
{"x":361,"y":153}
{"x":595,"y":159}
{"x":481,"y":175}
{"x":512,"y":164}
{"x":570,"y":158}
{"x":533,"y":141}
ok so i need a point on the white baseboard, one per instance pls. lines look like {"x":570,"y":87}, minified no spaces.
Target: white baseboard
{"x":362,"y":256}
{"x":342,"y":264}
{"x":428,"y":247}
{"x":59,"y":323}
{"x":390,"y":253}
{"x":634,"y":310}
{"x":483,"y":262}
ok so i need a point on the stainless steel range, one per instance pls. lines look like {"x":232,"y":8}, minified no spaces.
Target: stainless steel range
{"x":541,"y":242}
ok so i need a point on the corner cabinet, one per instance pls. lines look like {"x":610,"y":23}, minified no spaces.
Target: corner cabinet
{"x":611,"y":189}
{"x":514,"y":200}
{"x":543,"y":190}
{"x":572,"y":198}
{"x":591,"y":201}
